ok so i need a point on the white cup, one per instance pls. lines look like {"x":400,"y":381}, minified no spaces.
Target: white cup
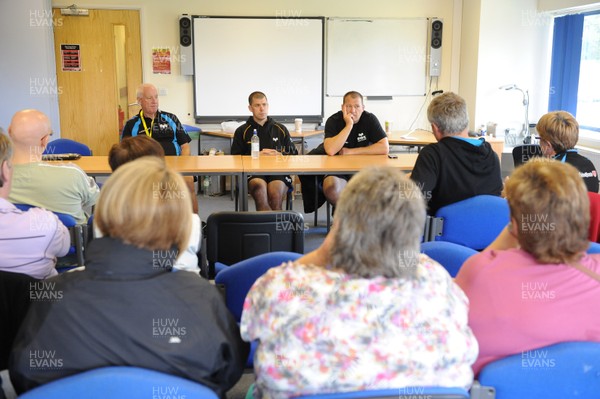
{"x":298,"y":125}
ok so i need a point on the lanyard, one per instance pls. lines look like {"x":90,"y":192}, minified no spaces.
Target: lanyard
{"x":564,"y":157}
{"x":149,"y":134}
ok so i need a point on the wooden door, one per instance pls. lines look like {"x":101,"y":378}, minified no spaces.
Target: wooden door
{"x":93,"y":101}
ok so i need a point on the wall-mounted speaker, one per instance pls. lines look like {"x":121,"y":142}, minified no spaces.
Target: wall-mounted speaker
{"x":186,"y":50}
{"x":435,"y":49}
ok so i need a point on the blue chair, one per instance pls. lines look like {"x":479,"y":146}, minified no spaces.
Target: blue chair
{"x":121,"y":382}
{"x":450,"y":255}
{"x":561,"y":371}
{"x":64,"y":146}
{"x":474,"y":222}
{"x":236,"y":280}
{"x":396,"y":393}
{"x":594,"y":248}
{"x":78,"y":234}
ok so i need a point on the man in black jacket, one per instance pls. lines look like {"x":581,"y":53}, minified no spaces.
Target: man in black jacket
{"x":268,"y":191}
{"x":457,"y":167}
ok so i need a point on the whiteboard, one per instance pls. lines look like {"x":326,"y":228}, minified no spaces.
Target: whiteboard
{"x":282,"y":57}
{"x":377,"y":57}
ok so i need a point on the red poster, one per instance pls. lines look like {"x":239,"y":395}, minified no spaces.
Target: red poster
{"x":70,"y":55}
{"x":161,"y":60}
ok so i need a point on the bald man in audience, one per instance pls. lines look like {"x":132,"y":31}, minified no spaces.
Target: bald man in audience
{"x":58,"y":187}
{"x":30,"y":240}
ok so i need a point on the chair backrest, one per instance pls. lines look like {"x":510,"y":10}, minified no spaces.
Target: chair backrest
{"x":448,"y":254}
{"x":474,"y":222}
{"x":237,"y":279}
{"x":522,"y":153}
{"x":78,"y":233}
{"x":565,"y":370}
{"x":594,"y":231}
{"x":594,"y":248}
{"x":121,"y":383}
{"x":234,"y":236}
{"x":15,"y":296}
{"x":396,"y":393}
{"x":64,"y":146}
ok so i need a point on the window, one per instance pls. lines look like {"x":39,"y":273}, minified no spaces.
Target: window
{"x":574,"y":85}
{"x":588,"y":93}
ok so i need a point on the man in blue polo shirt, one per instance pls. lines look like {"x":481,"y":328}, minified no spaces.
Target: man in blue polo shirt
{"x":456,"y":167}
{"x":162,"y":126}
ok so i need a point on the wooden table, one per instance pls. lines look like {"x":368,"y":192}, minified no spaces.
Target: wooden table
{"x":186,"y":165}
{"x":295,"y":136}
{"x":218,"y":165}
{"x":242,"y":166}
{"x":421,"y":138}
{"x":316,"y":165}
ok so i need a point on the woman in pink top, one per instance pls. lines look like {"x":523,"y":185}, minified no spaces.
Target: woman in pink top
{"x":535,"y":285}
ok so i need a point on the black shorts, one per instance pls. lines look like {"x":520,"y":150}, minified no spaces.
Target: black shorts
{"x":284,"y":178}
{"x":345,"y":177}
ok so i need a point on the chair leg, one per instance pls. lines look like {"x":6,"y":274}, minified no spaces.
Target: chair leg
{"x":79,"y":245}
{"x":328,"y":215}
{"x":316,"y":200}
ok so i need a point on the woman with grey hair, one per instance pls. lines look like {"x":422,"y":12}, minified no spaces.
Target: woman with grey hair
{"x":365,"y":310}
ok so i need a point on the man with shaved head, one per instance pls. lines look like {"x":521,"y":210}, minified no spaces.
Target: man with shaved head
{"x":162,"y":126}
{"x":30,"y":240}
{"x":63,"y":188}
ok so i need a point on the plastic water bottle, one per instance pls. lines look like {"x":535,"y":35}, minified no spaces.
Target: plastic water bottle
{"x":255,"y":145}
{"x":206,"y":184}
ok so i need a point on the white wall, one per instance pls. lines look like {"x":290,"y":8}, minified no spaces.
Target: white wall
{"x":160,"y":29}
{"x":28,"y":71}
{"x":486,"y":43}
{"x":514,"y":47}
{"x":562,"y":6}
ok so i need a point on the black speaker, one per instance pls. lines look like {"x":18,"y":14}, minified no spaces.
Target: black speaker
{"x":186,"y":50}
{"x":435,"y":50}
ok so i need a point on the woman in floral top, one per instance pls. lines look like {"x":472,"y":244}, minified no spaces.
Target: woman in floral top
{"x":366,"y":310}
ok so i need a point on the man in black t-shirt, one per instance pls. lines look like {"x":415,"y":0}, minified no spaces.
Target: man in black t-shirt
{"x":351,"y":131}
{"x":268,"y":191}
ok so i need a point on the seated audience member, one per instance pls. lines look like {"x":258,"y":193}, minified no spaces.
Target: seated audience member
{"x":126,"y":308}
{"x":29,"y":241}
{"x":559,"y":132}
{"x":63,"y":187}
{"x":131,"y":148}
{"x":268,"y":191}
{"x":457,"y":167}
{"x":535,"y":285}
{"x":365,"y":310}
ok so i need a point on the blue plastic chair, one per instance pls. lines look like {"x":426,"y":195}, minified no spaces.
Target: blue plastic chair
{"x":236,"y":280}
{"x":121,"y":382}
{"x":561,"y":371}
{"x":78,"y":234}
{"x":396,"y":393}
{"x":474,"y":222}
{"x":450,"y":255}
{"x":594,"y":248}
{"x":64,"y":146}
